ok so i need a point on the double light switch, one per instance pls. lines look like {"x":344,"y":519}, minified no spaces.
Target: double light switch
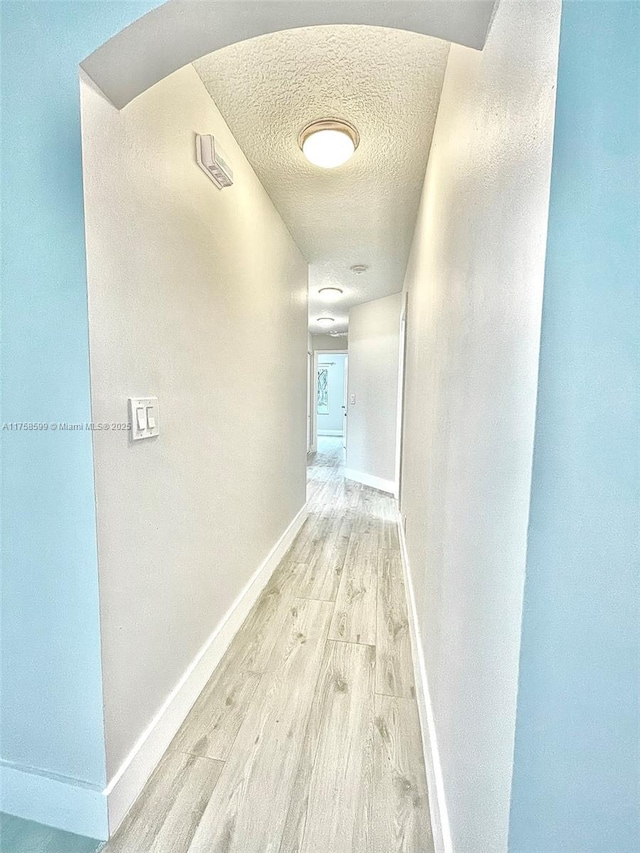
{"x":143,"y":413}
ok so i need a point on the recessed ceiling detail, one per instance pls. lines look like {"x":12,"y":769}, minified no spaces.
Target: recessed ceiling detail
{"x":387,"y":84}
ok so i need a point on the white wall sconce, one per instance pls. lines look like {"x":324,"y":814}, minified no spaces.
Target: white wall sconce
{"x":213,"y":161}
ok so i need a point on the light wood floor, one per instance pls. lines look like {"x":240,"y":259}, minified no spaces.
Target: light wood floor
{"x":306,"y":739}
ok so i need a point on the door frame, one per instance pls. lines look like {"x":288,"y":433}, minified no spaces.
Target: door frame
{"x":402,"y":355}
{"x":314,"y":407}
{"x":310,"y":439}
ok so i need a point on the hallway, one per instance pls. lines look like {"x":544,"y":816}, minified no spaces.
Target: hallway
{"x":307,"y":737}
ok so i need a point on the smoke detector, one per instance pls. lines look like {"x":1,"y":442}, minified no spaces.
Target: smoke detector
{"x":213,"y":161}
{"x":358,"y":269}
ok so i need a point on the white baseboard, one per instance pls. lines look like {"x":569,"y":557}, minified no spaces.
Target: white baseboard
{"x":435,"y":780}
{"x":124,"y":787}
{"x":370,"y":480}
{"x":334,"y":432}
{"x":53,"y":800}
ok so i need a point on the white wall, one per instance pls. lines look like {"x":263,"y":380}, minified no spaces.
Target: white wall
{"x":374,"y":348}
{"x":332,"y":423}
{"x":328,"y":342}
{"x":198,"y":296}
{"x":474,"y":283}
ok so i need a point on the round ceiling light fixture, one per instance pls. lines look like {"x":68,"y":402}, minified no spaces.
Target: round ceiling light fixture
{"x":325,"y":321}
{"x":358,"y":269}
{"x":331,"y":292}
{"x":329,"y":142}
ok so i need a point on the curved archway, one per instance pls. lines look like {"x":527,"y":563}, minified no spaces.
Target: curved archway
{"x":181,"y":31}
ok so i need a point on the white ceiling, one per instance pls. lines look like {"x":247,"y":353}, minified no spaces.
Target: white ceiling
{"x":385,"y":82}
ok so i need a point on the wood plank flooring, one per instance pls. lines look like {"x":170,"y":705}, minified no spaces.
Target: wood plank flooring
{"x":306,"y":738}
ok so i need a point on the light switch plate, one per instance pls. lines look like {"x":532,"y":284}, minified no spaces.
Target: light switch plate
{"x":143,"y":417}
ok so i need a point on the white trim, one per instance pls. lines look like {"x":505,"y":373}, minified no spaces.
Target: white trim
{"x":370,"y":480}
{"x":131,"y":777}
{"x":435,"y":779}
{"x":328,"y":432}
{"x":55,"y":801}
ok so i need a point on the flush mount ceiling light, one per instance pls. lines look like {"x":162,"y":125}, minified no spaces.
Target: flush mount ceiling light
{"x":358,"y":269}
{"x":330,"y":292}
{"x":329,"y":142}
{"x":325,"y":321}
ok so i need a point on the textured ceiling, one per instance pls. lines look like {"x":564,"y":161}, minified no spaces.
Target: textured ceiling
{"x":385,"y":82}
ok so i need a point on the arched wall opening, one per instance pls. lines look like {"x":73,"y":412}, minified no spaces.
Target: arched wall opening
{"x":490,"y":107}
{"x":181,"y":31}
{"x":132,"y":69}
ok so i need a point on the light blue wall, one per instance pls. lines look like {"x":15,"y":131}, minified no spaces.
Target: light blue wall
{"x":51,"y":679}
{"x":576,"y":773}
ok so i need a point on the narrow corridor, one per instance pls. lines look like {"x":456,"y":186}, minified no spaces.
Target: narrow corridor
{"x":306,"y":737}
